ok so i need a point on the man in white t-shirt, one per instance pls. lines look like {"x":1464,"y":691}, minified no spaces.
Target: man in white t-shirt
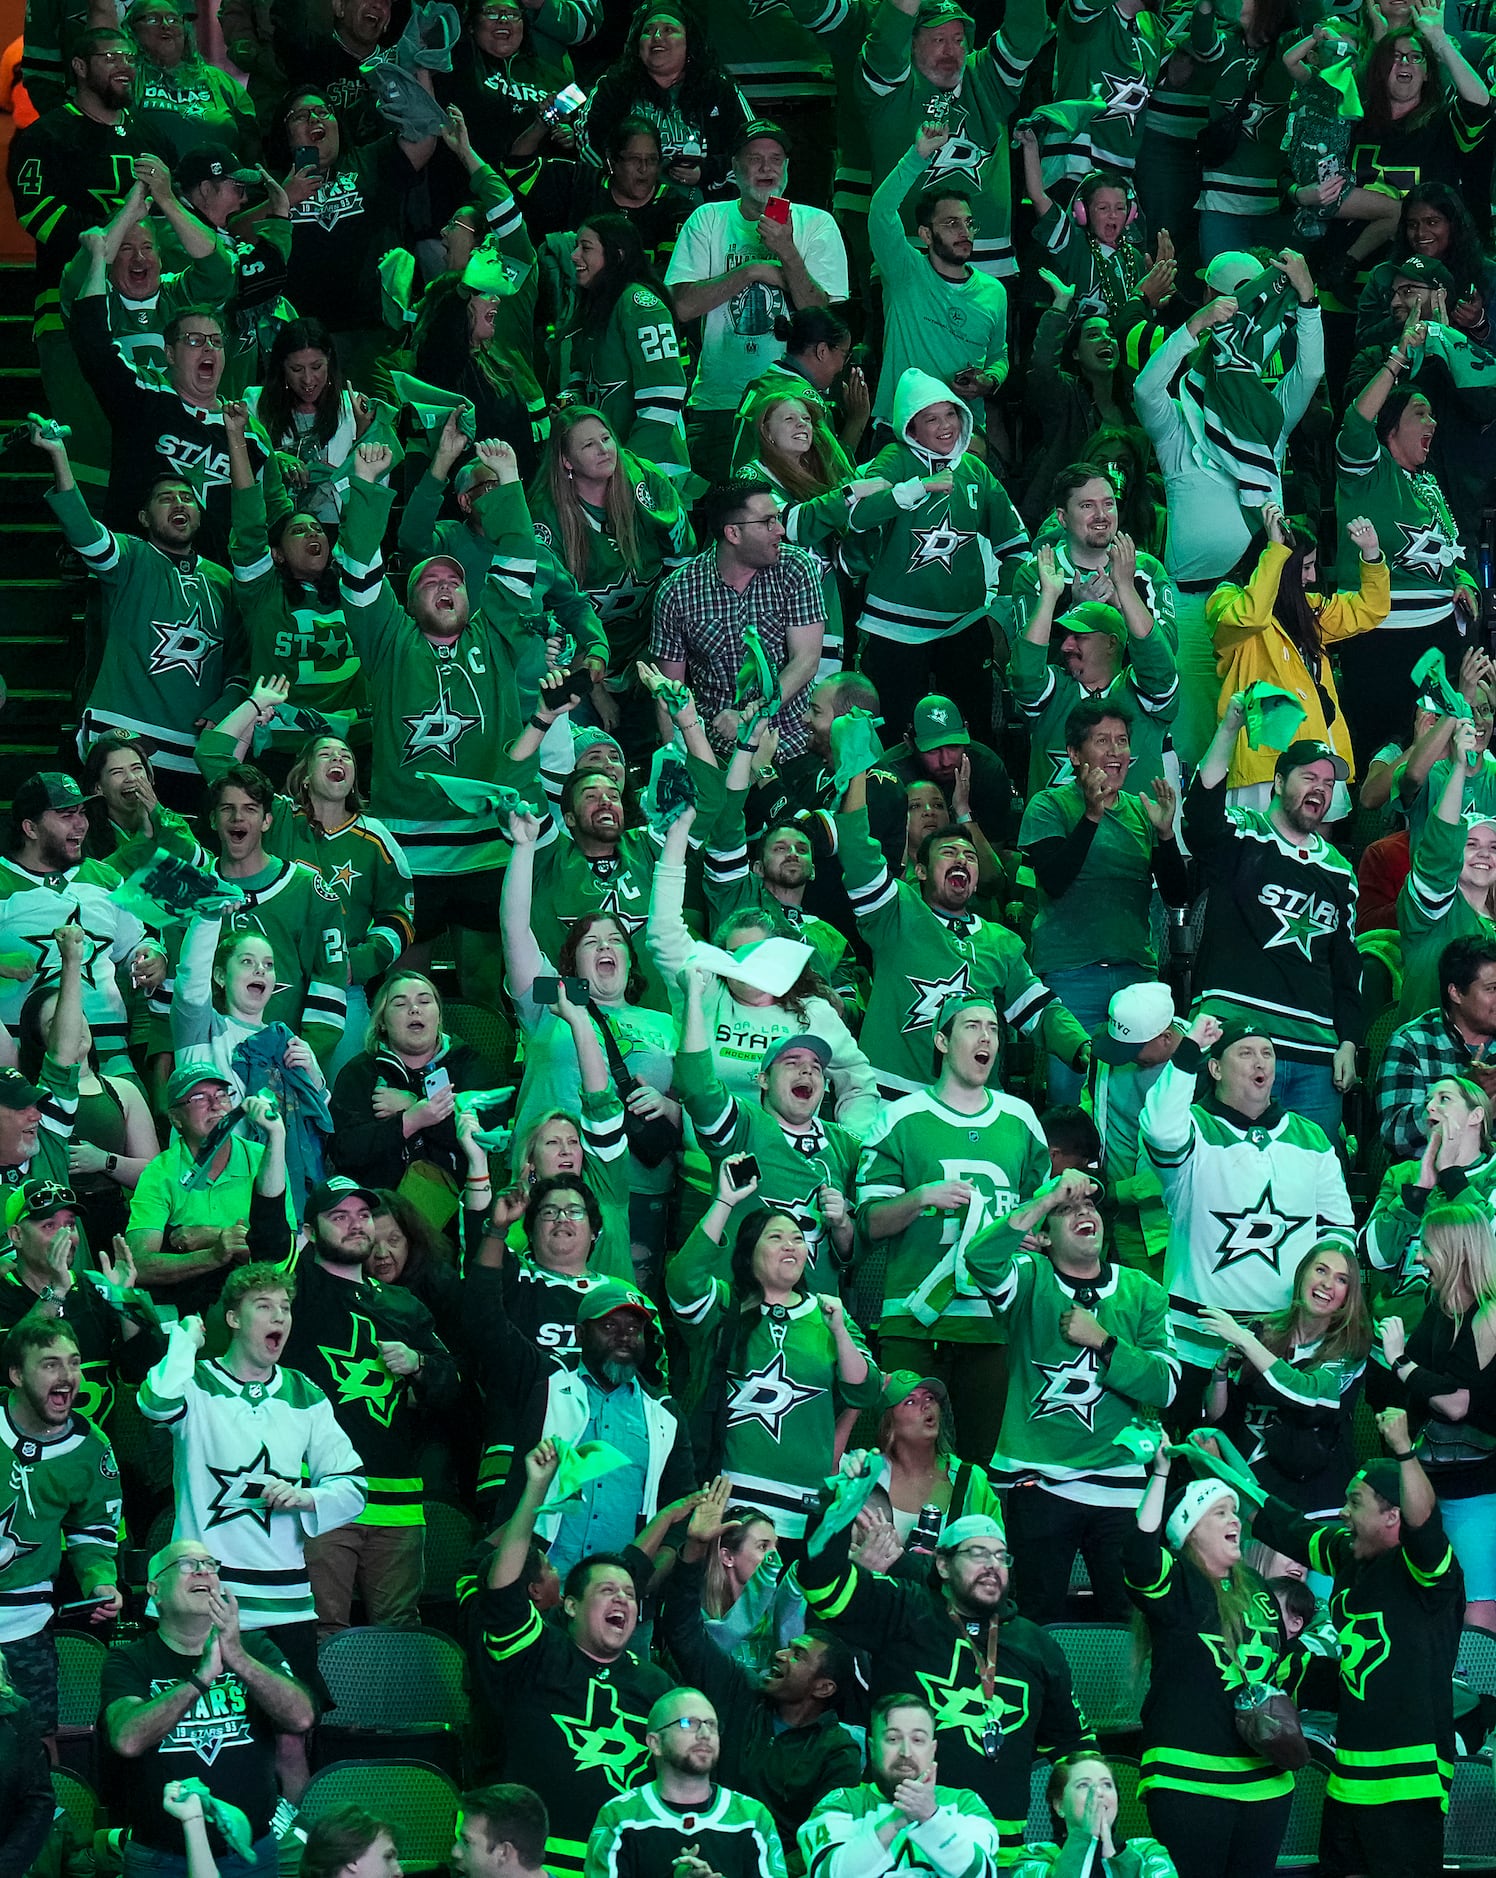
{"x":737,"y":268}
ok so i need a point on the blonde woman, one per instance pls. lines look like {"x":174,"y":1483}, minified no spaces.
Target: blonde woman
{"x":1447,"y":1371}
{"x":1218,"y":1809}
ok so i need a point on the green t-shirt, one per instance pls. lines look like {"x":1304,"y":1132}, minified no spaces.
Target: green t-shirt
{"x":1103,"y":913}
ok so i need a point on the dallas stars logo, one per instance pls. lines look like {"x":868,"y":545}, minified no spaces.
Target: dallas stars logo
{"x":116,"y":189}
{"x":598,"y":393}
{"x":215,"y":1721}
{"x":605,"y":1738}
{"x":959,"y":157}
{"x":930,"y":994}
{"x":1228,"y":353}
{"x":436,"y":732}
{"x":1364,"y":1647}
{"x":1069,"y":1389}
{"x":766,"y":1396}
{"x":935,"y":547}
{"x":1255,"y":1232}
{"x":1301,"y":919}
{"x":233,"y":1498}
{"x":1251,"y":1661}
{"x":342,"y":877}
{"x":12,"y":1546}
{"x":966,"y":1709}
{"x":612,"y":903}
{"x":333,"y":203}
{"x":181,"y":645}
{"x":360,"y":1376}
{"x":620,"y":599}
{"x":1254,"y":118}
{"x":45,"y":948}
{"x":1427,"y":550}
{"x":1121,"y":94}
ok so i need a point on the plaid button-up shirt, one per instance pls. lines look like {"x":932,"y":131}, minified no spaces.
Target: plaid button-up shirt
{"x":699,"y":620}
{"x":1417,"y":1055}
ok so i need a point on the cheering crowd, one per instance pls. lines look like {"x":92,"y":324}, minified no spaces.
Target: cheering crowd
{"x":778,"y":862}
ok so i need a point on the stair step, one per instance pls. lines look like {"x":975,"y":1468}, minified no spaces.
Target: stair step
{"x":37,"y":659}
{"x":20,"y":760}
{"x":20,"y":389}
{"x":36,"y":606}
{"x":32,"y":712}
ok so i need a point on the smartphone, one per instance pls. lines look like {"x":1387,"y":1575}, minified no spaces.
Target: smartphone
{"x":566,"y":103}
{"x":578,"y":686}
{"x":744,"y":1169}
{"x":777,"y":209}
{"x":547,"y":990}
{"x":435,"y":1079}
{"x":305,"y":157}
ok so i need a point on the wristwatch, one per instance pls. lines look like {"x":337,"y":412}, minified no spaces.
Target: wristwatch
{"x":111,"y":1161}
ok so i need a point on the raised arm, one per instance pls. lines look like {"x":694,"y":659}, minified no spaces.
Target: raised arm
{"x":523,"y":958}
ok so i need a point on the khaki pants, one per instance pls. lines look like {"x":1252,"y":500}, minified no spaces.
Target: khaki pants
{"x":382,"y":1562}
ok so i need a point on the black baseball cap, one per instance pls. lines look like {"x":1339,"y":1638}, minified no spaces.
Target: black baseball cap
{"x":210,"y":163}
{"x":45,"y":789}
{"x":1311,"y":750}
{"x":331,"y":1193}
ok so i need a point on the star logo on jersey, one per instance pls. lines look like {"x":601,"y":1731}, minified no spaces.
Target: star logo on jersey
{"x":1254,"y":118}
{"x":1071,"y":1388}
{"x":605,"y":1738}
{"x":599,"y":393}
{"x":620,"y":599}
{"x":930,"y":994}
{"x":334,"y":645}
{"x":957,"y":158}
{"x":120,"y":183}
{"x":436,"y":732}
{"x":767,"y":1395}
{"x":12,"y":1546}
{"x":1253,"y":1660}
{"x":1255,"y":1232}
{"x":239,"y":1494}
{"x":215,"y":1721}
{"x":181,"y":645}
{"x":45,"y":946}
{"x":1301,"y":918}
{"x":966,"y":1709}
{"x":612,"y":903}
{"x":1121,"y":94}
{"x":333,"y":203}
{"x":937,"y":546}
{"x":1427,"y":550}
{"x":1227,"y":350}
{"x":341,"y":877}
{"x":1364,"y":1647}
{"x":358,"y":1374}
{"x":1061,"y":769}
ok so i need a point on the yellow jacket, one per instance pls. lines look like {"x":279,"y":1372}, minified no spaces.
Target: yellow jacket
{"x":1251,"y":648}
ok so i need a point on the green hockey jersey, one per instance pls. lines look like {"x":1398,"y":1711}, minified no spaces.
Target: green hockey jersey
{"x":897,"y":100}
{"x":774,"y":1427}
{"x":921,"y":957}
{"x":623,"y":591}
{"x":164,"y":625}
{"x":446,"y":710}
{"x":361,"y":863}
{"x":929,"y":1289}
{"x":1411,"y":517}
{"x":1146,"y":688}
{"x":642,"y":1835}
{"x":792,"y":1166}
{"x":56,"y":1494}
{"x":1066,"y":1406}
{"x":631,"y":369}
{"x":1103,"y":55}
{"x":227,"y":1436}
{"x":303,"y":920}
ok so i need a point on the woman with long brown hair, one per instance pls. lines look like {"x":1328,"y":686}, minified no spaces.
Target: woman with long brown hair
{"x":1286,"y":1388}
{"x":1446,"y":1367}
{"x":618,"y":525}
{"x":1211,"y":1623}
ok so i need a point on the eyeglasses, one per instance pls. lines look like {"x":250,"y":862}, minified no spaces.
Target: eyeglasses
{"x":202,"y":342}
{"x":304,"y":113}
{"x":549,"y":1213}
{"x":985,"y":1554}
{"x":760,"y":521}
{"x":694,"y":1725}
{"x":499,"y":15}
{"x":208,"y":1098}
{"x":190,"y":1567}
{"x":158,"y":19}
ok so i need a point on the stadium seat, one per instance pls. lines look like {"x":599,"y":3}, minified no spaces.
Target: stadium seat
{"x":79,"y":1801}
{"x":1107,"y":1685}
{"x":80,"y":1667}
{"x":391,"y":1690}
{"x":1300,"y":1848}
{"x":418,"y":1801}
{"x":487,"y":1032}
{"x":1476,"y":1663}
{"x":1470,"y":1830}
{"x":451,"y":1533}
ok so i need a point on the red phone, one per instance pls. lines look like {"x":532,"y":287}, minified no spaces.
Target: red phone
{"x":777,"y":209}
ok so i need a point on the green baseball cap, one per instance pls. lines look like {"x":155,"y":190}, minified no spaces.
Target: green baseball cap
{"x":938,"y":722}
{"x":1093,"y":616}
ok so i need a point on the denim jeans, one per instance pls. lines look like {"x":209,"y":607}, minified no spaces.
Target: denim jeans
{"x":1308,"y":1089}
{"x":145,"y":1861}
{"x":1086,"y":992}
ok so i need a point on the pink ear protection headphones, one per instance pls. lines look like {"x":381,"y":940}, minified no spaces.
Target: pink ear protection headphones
{"x":1102,"y":179}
